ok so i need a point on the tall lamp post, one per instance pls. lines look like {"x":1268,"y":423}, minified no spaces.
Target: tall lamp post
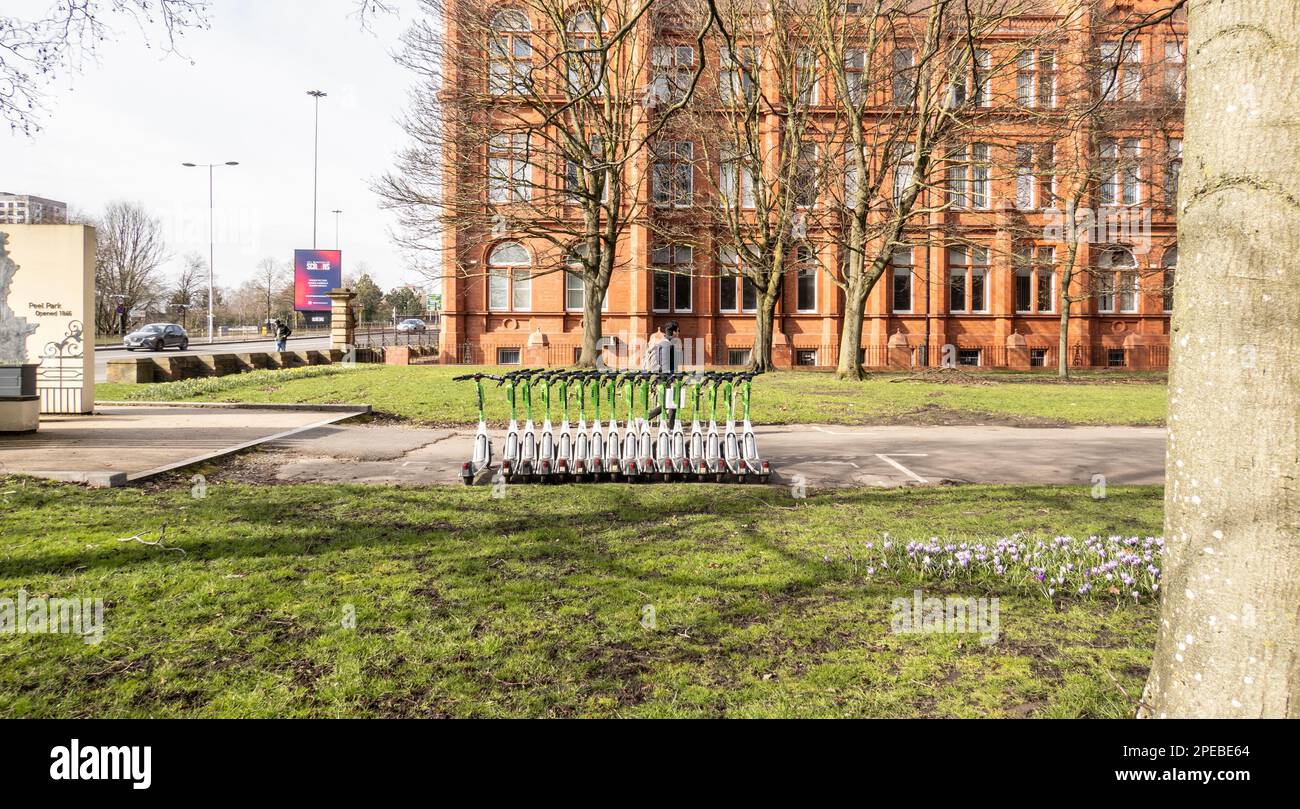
{"x":336,"y":213}
{"x":211,"y":235}
{"x":315,"y":170}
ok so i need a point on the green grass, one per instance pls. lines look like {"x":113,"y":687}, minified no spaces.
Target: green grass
{"x":532,"y":605}
{"x":427,"y":394}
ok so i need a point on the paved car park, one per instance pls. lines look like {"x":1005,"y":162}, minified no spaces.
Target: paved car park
{"x":822,"y":456}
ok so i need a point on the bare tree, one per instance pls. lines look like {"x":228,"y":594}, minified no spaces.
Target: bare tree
{"x":759,"y":157}
{"x":1109,"y":97}
{"x":1229,"y":629}
{"x":186,"y":290}
{"x":35,"y":50}
{"x":908,"y":81}
{"x":543,"y":116}
{"x":129,"y":253}
{"x":274,"y":282}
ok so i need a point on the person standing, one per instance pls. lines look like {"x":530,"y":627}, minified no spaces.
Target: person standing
{"x":282,"y":332}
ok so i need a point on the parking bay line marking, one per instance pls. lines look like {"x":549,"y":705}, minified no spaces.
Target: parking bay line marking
{"x":890,"y":460}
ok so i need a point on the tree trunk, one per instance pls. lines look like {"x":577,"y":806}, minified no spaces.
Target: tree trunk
{"x":1228,"y":644}
{"x":855,"y":307}
{"x":591,"y":327}
{"x":1063,"y":339}
{"x":760,"y":356}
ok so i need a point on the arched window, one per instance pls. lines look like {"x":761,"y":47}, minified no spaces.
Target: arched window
{"x":510,"y":278}
{"x":510,"y":53}
{"x":1170,"y":265}
{"x":583,"y":58}
{"x":1117,"y":269}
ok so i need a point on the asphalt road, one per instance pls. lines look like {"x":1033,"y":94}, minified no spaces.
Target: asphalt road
{"x":819,"y":456}
{"x":105,"y":353}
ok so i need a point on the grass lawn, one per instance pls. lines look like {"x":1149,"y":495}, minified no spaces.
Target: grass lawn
{"x":426,"y":394}
{"x":536,"y":604}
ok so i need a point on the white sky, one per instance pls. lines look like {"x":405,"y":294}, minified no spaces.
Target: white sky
{"x":122,"y":126}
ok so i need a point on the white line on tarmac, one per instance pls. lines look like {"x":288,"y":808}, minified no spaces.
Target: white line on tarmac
{"x":890,"y":460}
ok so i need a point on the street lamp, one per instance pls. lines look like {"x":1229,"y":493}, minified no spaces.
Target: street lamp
{"x":336,"y":228}
{"x":211,"y":234}
{"x":315,"y":171}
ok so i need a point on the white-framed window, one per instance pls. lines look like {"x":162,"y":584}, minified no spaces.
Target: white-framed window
{"x":1035,"y":280}
{"x":578,"y":172}
{"x":582,"y":55}
{"x":672,"y":178}
{"x":508,"y":164}
{"x":904,"y":166}
{"x":900,"y":293}
{"x":968,"y":176}
{"x":1173,"y":171}
{"x":805,"y":282}
{"x":510,"y":54}
{"x":1117,"y":281}
{"x":575,"y":293}
{"x":805,"y":357}
{"x":736,"y":293}
{"x":509,"y":356}
{"x":806,"y":77}
{"x":855,"y":74}
{"x":1175,"y":78}
{"x":510,"y":278}
{"x":1036,"y":78}
{"x":904,"y":77}
{"x":1121,"y":171}
{"x":672,"y":67}
{"x":1035,"y":176}
{"x":674,"y":277}
{"x":738,"y":74}
{"x":805,"y":176}
{"x":1169,"y":277}
{"x":972,"y":86}
{"x":1121,"y":72}
{"x":968,"y":271}
{"x":735,"y":178}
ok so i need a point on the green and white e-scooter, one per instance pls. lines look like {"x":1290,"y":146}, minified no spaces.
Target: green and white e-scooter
{"x":546,"y":439}
{"x":712,"y":440}
{"x":731,"y":454}
{"x":696,"y":460}
{"x":564,"y":439}
{"x":481,"y":460}
{"x":528,"y":437}
{"x":510,"y":458}
{"x":612,"y":444}
{"x":678,"y":465}
{"x":645,"y":441}
{"x":581,"y":440}
{"x":628,"y":455}
{"x":596,"y":446}
{"x":754,"y":464}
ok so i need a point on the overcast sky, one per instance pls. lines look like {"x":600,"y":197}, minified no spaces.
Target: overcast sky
{"x":120,"y":129}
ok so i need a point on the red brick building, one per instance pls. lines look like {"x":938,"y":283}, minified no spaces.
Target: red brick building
{"x":980,"y":286}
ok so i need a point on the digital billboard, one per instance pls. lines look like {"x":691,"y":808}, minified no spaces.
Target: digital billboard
{"x":315,"y":274}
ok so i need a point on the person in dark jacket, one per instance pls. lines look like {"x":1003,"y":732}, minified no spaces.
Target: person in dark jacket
{"x":665,"y":358}
{"x":282,"y":332}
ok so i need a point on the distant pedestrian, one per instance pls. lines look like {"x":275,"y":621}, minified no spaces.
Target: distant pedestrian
{"x":663,"y":356}
{"x":282,"y":332}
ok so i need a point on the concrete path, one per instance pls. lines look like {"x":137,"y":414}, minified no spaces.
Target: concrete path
{"x":104,"y":353}
{"x":122,"y":444}
{"x":825,"y":456}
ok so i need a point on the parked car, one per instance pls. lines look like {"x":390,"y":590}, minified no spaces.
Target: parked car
{"x":412,"y":325}
{"x":157,"y":337}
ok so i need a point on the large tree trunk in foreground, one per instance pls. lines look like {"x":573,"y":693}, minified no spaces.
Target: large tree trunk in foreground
{"x":760,"y":356}
{"x":1228,"y":644}
{"x":855,"y":307}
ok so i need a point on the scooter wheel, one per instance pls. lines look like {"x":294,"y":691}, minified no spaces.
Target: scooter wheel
{"x":468,"y":480}
{"x":740,"y":479}
{"x":763,"y":479}
{"x":720,"y":477}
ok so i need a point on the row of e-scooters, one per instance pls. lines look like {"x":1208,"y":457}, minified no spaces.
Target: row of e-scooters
{"x":669,"y":451}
